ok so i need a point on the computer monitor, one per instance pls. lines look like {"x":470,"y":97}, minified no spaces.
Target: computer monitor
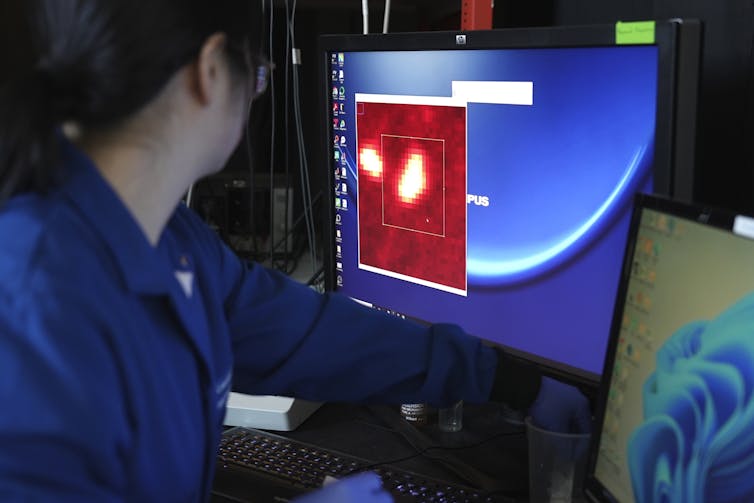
{"x":486,"y":178}
{"x":675,"y":409}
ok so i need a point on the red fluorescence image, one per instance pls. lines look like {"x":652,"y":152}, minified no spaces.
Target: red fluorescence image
{"x":412,"y":191}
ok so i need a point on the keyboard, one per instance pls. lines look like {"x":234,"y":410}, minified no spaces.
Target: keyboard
{"x":259,"y":466}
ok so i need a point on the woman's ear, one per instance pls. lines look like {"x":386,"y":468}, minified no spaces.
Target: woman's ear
{"x":208,"y":68}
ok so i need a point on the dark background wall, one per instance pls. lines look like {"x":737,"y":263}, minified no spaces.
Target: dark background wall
{"x":725,"y":155}
{"x":725,"y":140}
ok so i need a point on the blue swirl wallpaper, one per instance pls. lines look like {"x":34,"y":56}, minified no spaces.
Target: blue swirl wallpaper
{"x":558,"y":176}
{"x":696,"y":443}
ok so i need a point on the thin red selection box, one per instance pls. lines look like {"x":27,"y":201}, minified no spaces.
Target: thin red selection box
{"x":412,"y":192}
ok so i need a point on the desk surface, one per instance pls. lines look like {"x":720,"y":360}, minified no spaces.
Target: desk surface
{"x":489,"y":453}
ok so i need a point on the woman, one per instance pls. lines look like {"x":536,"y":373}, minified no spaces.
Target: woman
{"x":123,"y":318}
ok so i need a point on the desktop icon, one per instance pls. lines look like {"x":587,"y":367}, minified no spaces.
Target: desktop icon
{"x":341,"y":76}
{"x":341,"y":58}
{"x":336,"y":140}
{"x":338,"y":222}
{"x":335,"y":75}
{"x":343,"y":172}
{"x":337,"y":154}
{"x":340,"y":280}
{"x":344,"y":188}
{"x":342,"y":93}
{"x":333,"y":58}
{"x":335,"y":109}
{"x":345,"y":204}
{"x":334,"y":92}
{"x":335,"y":123}
{"x":342,"y":107}
{"x":338,"y":250}
{"x":342,"y":124}
{"x":342,"y":140}
{"x":339,"y":266}
{"x":337,"y":202}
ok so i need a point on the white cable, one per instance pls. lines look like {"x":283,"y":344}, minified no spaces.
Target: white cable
{"x":386,"y":17}
{"x":304,"y":174}
{"x":190,"y":196}
{"x":299,"y":130}
{"x":287,"y":231}
{"x":305,"y":189}
{"x":365,"y":15}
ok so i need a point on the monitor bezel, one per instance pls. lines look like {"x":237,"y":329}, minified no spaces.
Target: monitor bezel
{"x":668,"y":179}
{"x":718,"y":218}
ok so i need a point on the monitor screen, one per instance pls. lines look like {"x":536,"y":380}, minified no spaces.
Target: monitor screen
{"x":675,"y":413}
{"x":486,"y":179}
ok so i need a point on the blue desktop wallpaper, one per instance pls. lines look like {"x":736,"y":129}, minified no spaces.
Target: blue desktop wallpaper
{"x":543,"y":257}
{"x":695,"y":443}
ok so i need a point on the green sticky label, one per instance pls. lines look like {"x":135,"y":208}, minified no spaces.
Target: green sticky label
{"x":637,"y":32}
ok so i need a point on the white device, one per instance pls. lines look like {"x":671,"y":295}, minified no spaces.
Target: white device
{"x":267,"y":412}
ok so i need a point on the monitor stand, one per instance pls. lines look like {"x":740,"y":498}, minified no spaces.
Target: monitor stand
{"x":265,"y":412}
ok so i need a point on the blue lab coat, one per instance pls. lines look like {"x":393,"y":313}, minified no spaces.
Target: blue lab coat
{"x":114,"y":373}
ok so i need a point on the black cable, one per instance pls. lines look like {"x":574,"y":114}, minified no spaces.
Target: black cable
{"x":438,"y":447}
{"x":297,"y":222}
{"x":287,"y":129}
{"x":318,"y":273}
{"x":249,"y":152}
{"x":252,"y":220}
{"x":290,"y":255}
{"x":413,"y":437}
{"x":487,"y":492}
{"x":272,"y":135}
{"x":304,"y":171}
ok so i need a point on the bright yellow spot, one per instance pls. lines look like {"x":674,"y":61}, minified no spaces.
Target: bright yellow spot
{"x":413,"y":181}
{"x":371,"y":162}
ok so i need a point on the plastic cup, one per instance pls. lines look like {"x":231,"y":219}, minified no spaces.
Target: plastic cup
{"x":557,"y":465}
{"x":450,"y":419}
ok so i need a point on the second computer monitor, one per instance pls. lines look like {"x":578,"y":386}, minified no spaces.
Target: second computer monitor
{"x":486,"y":178}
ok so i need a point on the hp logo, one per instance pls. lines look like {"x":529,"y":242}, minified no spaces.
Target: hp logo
{"x":460,"y":39}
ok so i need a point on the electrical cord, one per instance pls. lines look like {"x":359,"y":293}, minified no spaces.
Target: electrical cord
{"x":286,"y":137}
{"x":386,"y":17}
{"x":249,"y":151}
{"x":295,"y":224}
{"x":249,"y":155}
{"x":415,"y":439}
{"x":425,"y":450}
{"x":189,"y":198}
{"x":303,"y":164}
{"x":305,"y":175}
{"x":317,"y":277}
{"x":288,"y":241}
{"x":290,"y":260}
{"x":473,"y":477}
{"x":247,"y":139}
{"x":272,"y":131}
{"x":365,"y":15}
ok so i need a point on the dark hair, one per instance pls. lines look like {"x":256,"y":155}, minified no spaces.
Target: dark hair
{"x":93,"y":62}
